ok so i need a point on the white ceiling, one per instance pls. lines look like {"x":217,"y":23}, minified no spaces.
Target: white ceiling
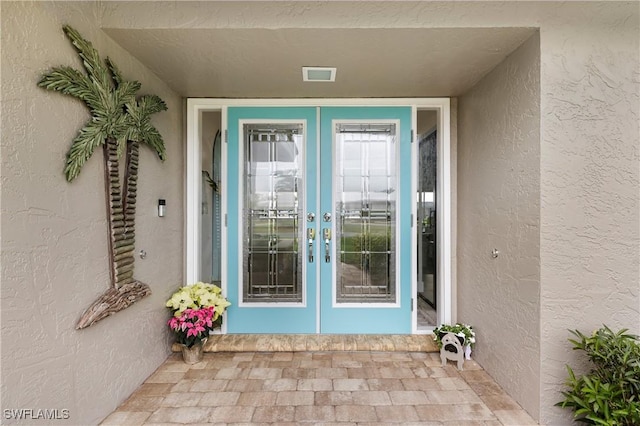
{"x":371,"y":62}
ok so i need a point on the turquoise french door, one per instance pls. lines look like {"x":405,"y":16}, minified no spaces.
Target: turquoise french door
{"x":272,"y":183}
{"x":365,"y":175}
{"x":319,"y":220}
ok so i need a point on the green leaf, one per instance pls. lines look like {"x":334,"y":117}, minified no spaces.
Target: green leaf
{"x":66,"y":80}
{"x":115,"y":71}
{"x":90,"y":57}
{"x":89,"y":138}
{"x":151,"y":104}
{"x":154,"y":140}
{"x":143,"y":131}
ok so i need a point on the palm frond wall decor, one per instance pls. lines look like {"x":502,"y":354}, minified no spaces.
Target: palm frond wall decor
{"x":120,"y":121}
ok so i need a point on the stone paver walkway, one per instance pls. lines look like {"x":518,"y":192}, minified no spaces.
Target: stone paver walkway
{"x":318,"y":343}
{"x":347,"y":388}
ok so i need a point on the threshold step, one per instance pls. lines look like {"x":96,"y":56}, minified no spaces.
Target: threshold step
{"x":318,"y":343}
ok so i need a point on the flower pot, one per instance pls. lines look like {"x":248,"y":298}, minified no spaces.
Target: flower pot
{"x":194,"y":354}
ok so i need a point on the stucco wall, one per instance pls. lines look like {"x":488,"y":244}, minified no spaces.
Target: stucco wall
{"x":54,"y":234}
{"x":589,"y":183}
{"x":499,"y":207}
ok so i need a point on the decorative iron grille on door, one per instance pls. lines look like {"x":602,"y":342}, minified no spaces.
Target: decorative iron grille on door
{"x":365,"y":206}
{"x":273,"y":202}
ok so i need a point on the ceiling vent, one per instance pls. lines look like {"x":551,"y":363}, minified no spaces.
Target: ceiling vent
{"x":319,"y":74}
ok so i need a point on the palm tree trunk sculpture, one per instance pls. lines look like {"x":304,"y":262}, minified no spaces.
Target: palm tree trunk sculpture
{"x":125,"y":238}
{"x":119,"y":120}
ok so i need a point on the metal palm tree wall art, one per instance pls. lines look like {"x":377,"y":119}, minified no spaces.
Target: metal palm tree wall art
{"x":120,"y":122}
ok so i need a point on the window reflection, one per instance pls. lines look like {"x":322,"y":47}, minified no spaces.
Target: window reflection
{"x":365,"y":205}
{"x":273,"y":201}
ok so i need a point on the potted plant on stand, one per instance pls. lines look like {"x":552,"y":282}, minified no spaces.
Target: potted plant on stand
{"x":197,"y":311}
{"x":464,"y":331}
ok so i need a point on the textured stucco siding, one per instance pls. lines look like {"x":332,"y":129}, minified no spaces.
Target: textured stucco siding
{"x":499,"y":193}
{"x":589,"y":184}
{"x":54,"y":234}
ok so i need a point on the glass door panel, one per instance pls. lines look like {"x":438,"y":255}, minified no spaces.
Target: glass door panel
{"x":274,"y":196}
{"x":365,"y":212}
{"x":427,"y":247}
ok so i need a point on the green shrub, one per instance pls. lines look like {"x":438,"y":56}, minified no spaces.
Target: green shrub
{"x":610,"y":393}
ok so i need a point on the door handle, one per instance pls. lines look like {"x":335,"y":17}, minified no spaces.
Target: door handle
{"x":311,"y":235}
{"x":326,"y":234}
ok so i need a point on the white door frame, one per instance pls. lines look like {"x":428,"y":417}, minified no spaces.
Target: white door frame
{"x":193,"y":189}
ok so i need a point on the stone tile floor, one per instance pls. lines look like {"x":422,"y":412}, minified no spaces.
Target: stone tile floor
{"x":347,"y":388}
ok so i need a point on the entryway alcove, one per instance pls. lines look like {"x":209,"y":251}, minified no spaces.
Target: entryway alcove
{"x":316,"y":216}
